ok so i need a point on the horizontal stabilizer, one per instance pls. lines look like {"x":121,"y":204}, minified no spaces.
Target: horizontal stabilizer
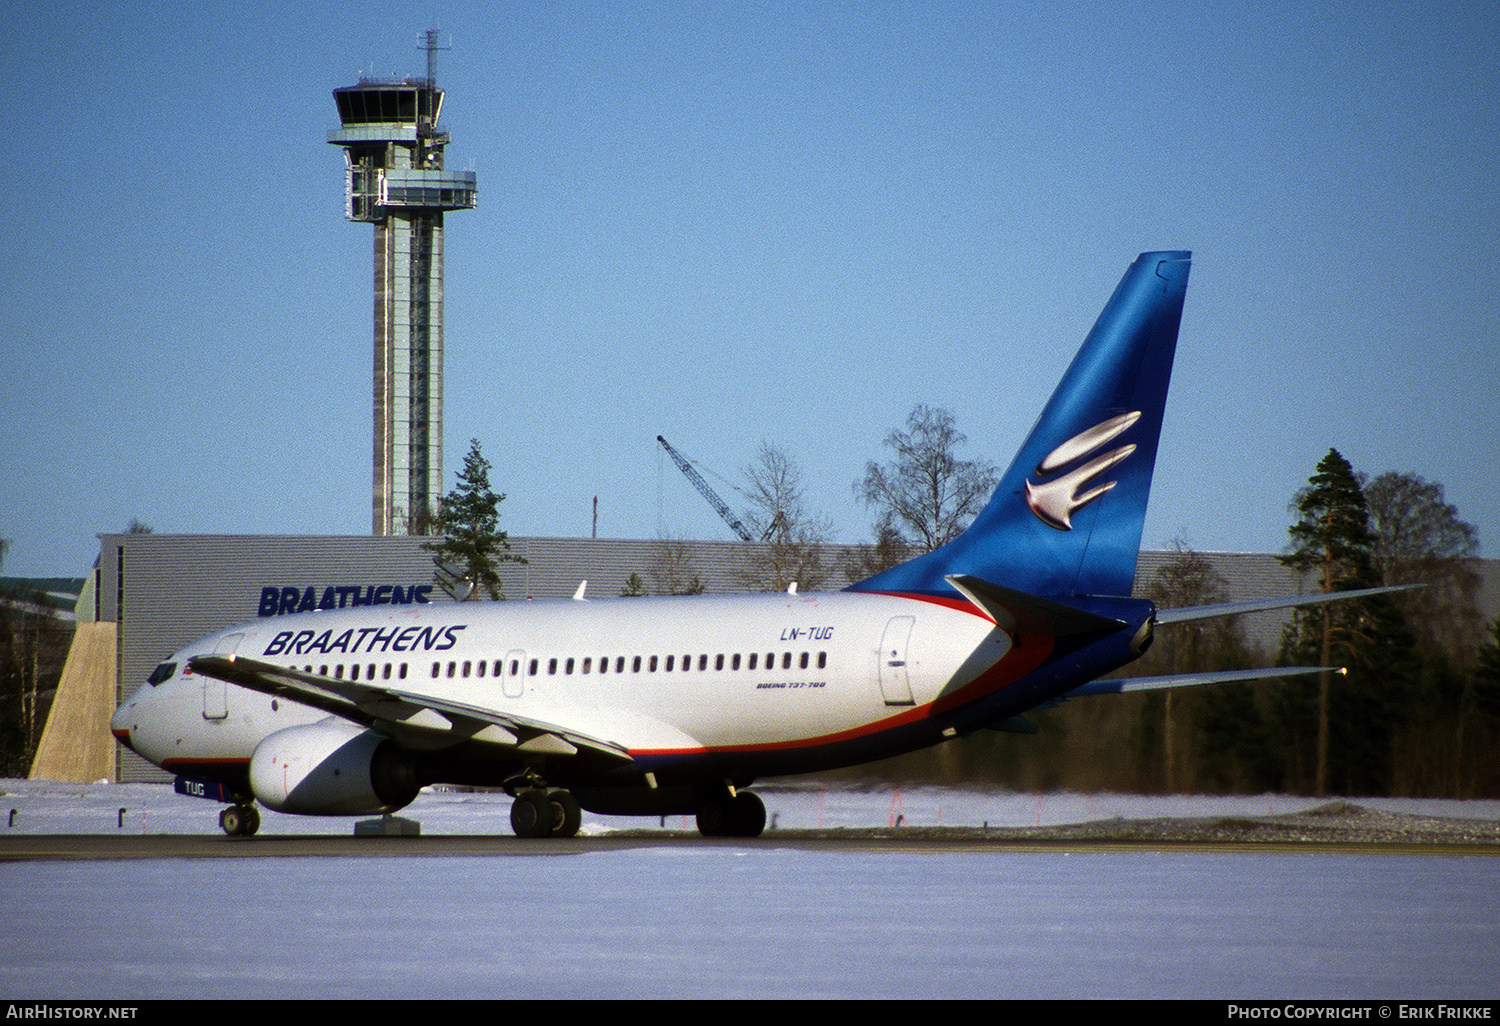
{"x":1016,"y":612}
{"x":1125,"y":685}
{"x":1166,"y":616}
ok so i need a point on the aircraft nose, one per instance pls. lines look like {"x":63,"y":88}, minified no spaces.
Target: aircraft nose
{"x":120,"y":723}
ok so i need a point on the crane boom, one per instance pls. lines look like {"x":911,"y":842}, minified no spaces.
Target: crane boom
{"x":707,"y":492}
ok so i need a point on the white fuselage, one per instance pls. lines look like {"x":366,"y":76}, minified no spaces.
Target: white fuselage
{"x":662,"y":677}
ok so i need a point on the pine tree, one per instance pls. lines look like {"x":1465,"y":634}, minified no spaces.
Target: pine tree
{"x":1332,"y":538}
{"x":473,"y":544}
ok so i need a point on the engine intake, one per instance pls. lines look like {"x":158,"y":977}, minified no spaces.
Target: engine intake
{"x":332,"y":769}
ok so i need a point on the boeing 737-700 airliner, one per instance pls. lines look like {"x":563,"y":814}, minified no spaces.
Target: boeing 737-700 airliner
{"x":674,"y":705}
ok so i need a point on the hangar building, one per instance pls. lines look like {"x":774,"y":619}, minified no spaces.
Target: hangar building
{"x":150,"y":594}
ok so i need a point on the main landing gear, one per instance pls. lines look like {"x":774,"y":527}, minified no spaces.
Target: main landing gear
{"x":545,"y":812}
{"x":741,"y":814}
{"x":240,"y":820}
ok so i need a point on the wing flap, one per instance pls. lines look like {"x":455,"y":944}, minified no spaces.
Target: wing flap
{"x":422,"y":719}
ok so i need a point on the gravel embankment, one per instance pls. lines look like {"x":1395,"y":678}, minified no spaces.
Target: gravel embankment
{"x":1336,"y":822}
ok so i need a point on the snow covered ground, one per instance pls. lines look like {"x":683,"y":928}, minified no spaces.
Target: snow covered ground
{"x":746,"y":920}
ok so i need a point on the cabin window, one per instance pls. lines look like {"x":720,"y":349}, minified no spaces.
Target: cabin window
{"x":719,"y":661}
{"x":604,"y":664}
{"x":386,"y":675}
{"x":803,"y":661}
{"x":734,"y":661}
{"x":452,"y":669}
{"x":587,"y":662}
{"x":322,"y":671}
{"x":822,"y":660}
{"x":687,"y":663}
{"x":354,"y":672}
{"x":786,"y":661}
{"x":402,"y":672}
{"x":635,"y":665}
{"x":479,"y":668}
{"x":437,"y":670}
{"x":620,"y":664}
{"x":552,"y":666}
{"x":568,"y":666}
{"x":531,"y":669}
{"x":668,"y":667}
{"x":703,"y":662}
{"x":753,"y":657}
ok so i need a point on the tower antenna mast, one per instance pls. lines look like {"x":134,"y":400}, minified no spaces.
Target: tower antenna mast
{"x":430,"y":44}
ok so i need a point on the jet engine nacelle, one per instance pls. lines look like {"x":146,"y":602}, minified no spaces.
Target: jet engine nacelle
{"x":331,"y":769}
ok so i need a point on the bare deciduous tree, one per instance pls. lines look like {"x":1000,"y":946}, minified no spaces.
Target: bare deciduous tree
{"x":672,"y":568}
{"x":926,"y":494}
{"x":1420,"y":540}
{"x":1187,"y":579}
{"x":792,"y":537}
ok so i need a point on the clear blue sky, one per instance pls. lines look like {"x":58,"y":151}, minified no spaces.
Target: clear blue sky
{"x":735,"y":223}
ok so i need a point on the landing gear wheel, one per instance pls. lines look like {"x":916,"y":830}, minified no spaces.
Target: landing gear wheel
{"x":567,"y":816}
{"x":744,"y":815}
{"x":713,"y":817}
{"x":240,"y":820}
{"x":531,"y":814}
{"x":747,"y":815}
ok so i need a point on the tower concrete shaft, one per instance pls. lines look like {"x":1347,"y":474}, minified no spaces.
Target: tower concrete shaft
{"x":393,"y":152}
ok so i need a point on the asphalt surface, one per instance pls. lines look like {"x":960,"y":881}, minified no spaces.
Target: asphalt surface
{"x":1337,"y":826}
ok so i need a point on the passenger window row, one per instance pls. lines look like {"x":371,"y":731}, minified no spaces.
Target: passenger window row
{"x":372,"y":671}
{"x":630,"y":664}
{"x":587,"y":665}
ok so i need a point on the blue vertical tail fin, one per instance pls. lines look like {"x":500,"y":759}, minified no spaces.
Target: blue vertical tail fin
{"x":1067,"y":516}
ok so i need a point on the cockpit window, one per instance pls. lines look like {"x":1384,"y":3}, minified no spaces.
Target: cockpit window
{"x":161,"y":673}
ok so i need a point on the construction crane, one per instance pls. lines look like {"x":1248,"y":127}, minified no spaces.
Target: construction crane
{"x":708,"y":493}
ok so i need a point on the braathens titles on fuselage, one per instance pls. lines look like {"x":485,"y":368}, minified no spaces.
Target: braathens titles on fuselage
{"x":650,"y":706}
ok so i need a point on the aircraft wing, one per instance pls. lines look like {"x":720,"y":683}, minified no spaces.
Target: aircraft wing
{"x":1125,"y":685}
{"x":422,"y":721}
{"x":1166,"y":616}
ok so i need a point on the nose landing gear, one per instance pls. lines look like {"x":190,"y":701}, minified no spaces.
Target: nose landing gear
{"x":239,"y":820}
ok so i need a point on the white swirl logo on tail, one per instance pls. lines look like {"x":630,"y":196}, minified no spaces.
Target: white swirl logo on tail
{"x":1054,"y":502}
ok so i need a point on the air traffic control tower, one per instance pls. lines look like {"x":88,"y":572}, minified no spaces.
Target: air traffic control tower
{"x":393,"y":148}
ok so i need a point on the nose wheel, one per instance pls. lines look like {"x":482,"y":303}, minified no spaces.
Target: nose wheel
{"x":239,"y":820}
